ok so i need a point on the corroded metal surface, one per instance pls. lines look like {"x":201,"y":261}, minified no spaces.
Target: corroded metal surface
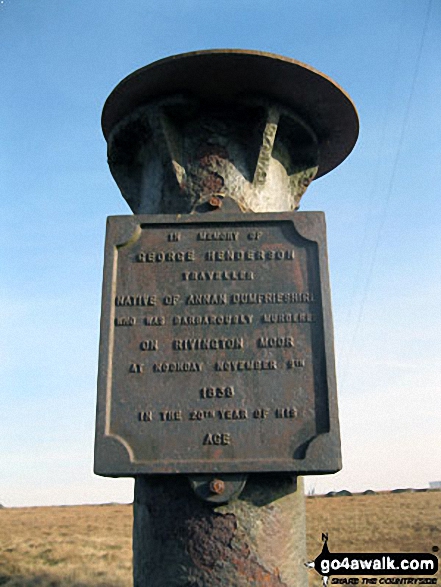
{"x":253,"y":541}
{"x":217,"y":489}
{"x":192,"y":133}
{"x":225,"y":75}
{"x":172,"y":152}
{"x":216,"y":350}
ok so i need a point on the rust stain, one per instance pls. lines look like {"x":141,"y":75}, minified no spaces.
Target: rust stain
{"x":212,"y":155}
{"x":209,"y":539}
{"x":211,"y":182}
{"x":256,"y":574}
{"x":211,"y":162}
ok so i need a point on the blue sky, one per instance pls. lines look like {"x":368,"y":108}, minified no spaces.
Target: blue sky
{"x":59,"y":61}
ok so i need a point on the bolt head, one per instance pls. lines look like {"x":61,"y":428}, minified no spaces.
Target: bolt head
{"x":217,"y":486}
{"x":215,"y":202}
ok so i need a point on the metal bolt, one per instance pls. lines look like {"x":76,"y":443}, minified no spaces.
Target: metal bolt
{"x":215,"y":202}
{"x":217,"y":486}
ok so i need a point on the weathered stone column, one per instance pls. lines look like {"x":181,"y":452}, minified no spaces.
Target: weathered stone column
{"x":196,"y":133}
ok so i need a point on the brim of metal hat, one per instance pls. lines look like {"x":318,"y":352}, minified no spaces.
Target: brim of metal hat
{"x":226,"y":74}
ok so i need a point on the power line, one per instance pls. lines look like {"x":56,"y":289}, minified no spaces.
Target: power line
{"x":391,"y":182}
{"x":375,"y":177}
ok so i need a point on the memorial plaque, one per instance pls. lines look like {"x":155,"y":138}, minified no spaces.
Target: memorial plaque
{"x":216,"y":351}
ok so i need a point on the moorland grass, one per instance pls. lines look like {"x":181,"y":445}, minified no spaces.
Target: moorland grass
{"x":90,"y":546}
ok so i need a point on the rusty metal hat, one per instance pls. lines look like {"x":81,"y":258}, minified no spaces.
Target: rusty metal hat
{"x":228,"y":74}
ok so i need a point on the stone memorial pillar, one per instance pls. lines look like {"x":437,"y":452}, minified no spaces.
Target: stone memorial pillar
{"x":216,"y":377}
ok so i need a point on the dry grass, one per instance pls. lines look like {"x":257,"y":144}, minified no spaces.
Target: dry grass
{"x":85,"y":546}
{"x":76,"y":546}
{"x":387,"y":522}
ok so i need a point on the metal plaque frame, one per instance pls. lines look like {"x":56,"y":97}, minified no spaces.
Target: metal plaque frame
{"x":216,"y":349}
